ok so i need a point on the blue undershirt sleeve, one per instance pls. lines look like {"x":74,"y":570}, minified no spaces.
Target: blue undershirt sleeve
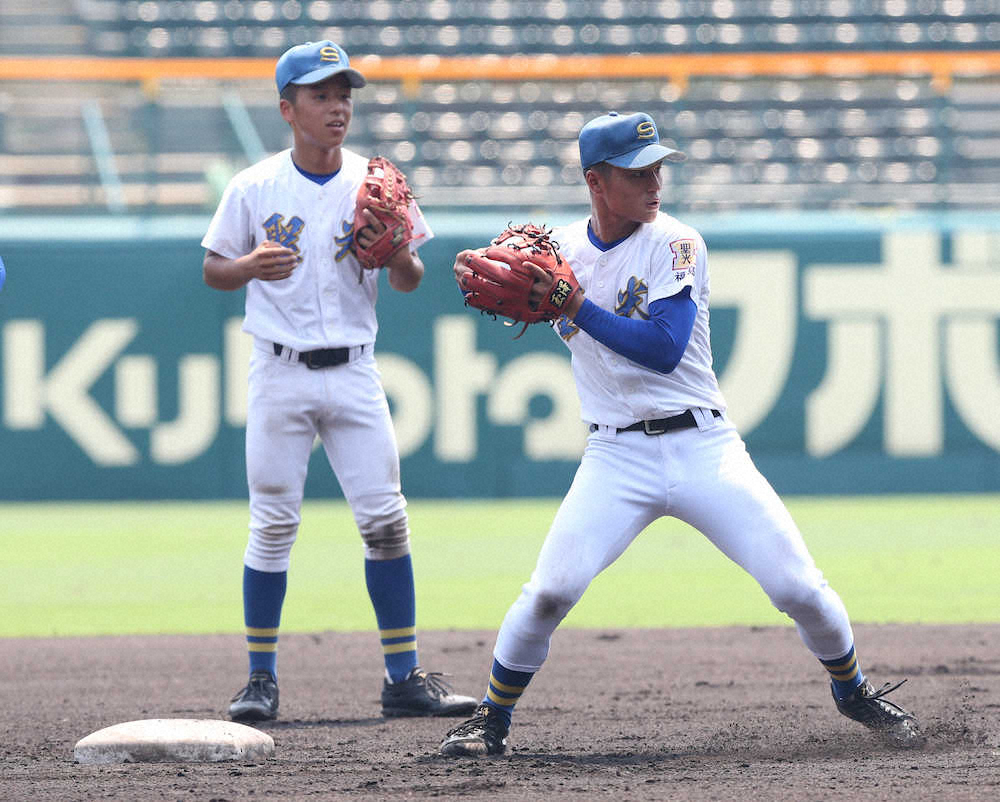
{"x":657,"y":343}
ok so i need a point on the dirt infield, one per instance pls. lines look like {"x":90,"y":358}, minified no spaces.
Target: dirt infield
{"x":723,"y":714}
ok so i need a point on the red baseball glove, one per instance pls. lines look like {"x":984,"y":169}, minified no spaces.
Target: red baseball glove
{"x":505,"y":288}
{"x":385,"y":193}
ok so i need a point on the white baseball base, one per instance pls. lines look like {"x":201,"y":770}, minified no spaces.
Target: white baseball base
{"x":174,"y":740}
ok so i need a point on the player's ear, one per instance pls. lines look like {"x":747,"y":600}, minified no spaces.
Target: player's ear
{"x":593,"y":179}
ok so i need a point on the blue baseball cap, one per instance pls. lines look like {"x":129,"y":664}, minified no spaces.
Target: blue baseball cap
{"x":631,"y":141}
{"x":314,"y":62}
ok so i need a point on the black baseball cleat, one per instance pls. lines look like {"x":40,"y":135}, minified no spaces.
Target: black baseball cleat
{"x":258,"y":701}
{"x":423,"y":693}
{"x":483,"y":734}
{"x":869,"y":707}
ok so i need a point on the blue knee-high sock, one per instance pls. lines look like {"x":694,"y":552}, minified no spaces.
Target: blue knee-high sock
{"x":845,"y":674}
{"x":505,"y":689}
{"x":390,"y":587}
{"x":263,"y":595}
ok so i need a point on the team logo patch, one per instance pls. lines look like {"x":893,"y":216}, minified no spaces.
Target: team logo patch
{"x":630,"y":300}
{"x":684,"y":253}
{"x":329,"y":54}
{"x":645,"y":130}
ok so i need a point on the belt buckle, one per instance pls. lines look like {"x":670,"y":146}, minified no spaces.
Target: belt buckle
{"x":307,"y":357}
{"x":652,"y":430}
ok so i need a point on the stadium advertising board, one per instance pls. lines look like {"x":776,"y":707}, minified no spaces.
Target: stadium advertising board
{"x":854,"y":359}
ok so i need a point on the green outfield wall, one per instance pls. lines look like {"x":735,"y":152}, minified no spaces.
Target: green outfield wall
{"x":858,"y":354}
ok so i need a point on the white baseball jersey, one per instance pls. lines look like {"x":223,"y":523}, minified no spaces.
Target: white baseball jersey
{"x":327,"y":302}
{"x":323,"y":304}
{"x":656,"y":261}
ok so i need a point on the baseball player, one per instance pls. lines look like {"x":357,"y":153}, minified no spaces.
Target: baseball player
{"x":660,"y":441}
{"x":285,"y":230}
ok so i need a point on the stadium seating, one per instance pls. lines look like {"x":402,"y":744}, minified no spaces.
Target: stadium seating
{"x":753,"y":142}
{"x":265,"y":27}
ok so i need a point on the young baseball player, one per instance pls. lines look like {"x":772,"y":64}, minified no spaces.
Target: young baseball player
{"x":285,"y":230}
{"x":660,"y":441}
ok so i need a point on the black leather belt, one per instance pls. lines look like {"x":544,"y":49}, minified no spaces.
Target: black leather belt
{"x":685,"y":420}
{"x":321,"y":357}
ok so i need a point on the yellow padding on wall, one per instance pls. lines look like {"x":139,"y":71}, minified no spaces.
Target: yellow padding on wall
{"x":412,"y":70}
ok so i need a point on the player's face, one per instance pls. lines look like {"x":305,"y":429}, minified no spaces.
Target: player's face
{"x":321,"y":113}
{"x":635,"y":194}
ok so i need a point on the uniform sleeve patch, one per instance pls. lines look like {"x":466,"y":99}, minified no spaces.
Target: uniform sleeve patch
{"x":685,"y":251}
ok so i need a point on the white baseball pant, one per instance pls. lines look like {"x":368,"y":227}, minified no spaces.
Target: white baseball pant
{"x":703,"y":476}
{"x":288,"y":406}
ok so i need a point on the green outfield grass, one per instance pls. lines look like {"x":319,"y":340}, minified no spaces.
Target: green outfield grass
{"x":83,"y":569}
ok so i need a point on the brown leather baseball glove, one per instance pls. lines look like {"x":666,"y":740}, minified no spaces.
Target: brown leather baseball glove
{"x":500,"y":281}
{"x":385,"y":193}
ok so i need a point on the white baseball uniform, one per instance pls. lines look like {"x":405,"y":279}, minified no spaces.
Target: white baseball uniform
{"x":701,"y":475}
{"x":328,"y":302}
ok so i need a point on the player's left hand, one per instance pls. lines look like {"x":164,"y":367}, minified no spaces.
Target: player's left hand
{"x":461,"y":267}
{"x":368,"y":234}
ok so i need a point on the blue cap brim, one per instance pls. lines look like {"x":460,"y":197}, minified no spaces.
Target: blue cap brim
{"x":645,"y":156}
{"x":354,"y":78}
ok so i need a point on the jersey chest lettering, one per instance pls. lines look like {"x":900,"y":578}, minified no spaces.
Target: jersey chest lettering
{"x":632,"y":299}
{"x":345,"y":241}
{"x":566,"y":328}
{"x":286,"y":234}
{"x":631,"y":302}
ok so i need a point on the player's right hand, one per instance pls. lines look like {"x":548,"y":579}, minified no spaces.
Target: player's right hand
{"x":270,"y":261}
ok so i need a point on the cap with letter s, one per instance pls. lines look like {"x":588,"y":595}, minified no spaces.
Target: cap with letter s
{"x":313,"y":62}
{"x":629,"y":141}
